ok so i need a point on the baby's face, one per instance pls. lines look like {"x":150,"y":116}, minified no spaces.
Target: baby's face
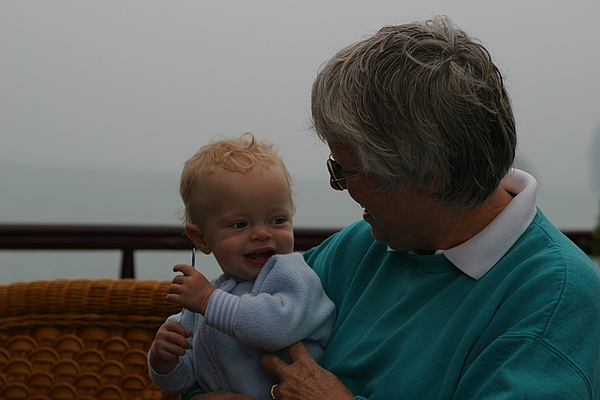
{"x":247,"y":218}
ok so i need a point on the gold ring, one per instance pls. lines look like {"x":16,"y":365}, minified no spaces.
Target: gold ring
{"x":273,"y":388}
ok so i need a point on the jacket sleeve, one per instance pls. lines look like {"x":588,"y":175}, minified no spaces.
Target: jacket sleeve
{"x":287,"y":304}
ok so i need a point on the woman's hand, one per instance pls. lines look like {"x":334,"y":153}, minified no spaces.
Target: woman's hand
{"x":221,"y":396}
{"x":304,"y":379}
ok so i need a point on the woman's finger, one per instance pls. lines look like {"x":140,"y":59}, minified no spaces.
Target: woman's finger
{"x":296,"y":351}
{"x":274,"y":365}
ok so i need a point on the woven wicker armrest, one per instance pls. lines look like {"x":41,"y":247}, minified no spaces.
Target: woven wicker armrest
{"x":85,"y":338}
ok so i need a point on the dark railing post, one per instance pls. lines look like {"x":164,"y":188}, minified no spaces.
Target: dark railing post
{"x":127,"y":266}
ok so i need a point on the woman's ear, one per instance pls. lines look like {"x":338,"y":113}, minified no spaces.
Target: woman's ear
{"x":435,"y":182}
{"x":197,"y":237}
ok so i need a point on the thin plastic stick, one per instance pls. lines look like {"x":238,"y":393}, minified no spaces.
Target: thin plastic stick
{"x":193,"y":266}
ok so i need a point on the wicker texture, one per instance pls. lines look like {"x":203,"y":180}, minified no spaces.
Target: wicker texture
{"x":80,"y":339}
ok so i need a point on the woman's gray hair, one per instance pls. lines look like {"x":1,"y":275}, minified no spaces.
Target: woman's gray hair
{"x":420,"y":103}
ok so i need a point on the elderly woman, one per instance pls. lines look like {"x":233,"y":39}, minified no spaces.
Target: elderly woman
{"x":455,"y":286}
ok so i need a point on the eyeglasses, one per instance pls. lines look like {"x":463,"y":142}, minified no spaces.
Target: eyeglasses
{"x":335,"y":174}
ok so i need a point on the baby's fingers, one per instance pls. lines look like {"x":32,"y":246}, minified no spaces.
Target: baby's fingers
{"x":184,"y":269}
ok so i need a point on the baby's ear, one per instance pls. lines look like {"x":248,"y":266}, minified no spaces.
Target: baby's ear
{"x":196,"y":236}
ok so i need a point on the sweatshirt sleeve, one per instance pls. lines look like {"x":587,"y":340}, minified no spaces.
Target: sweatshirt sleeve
{"x":287,"y":304}
{"x":175,"y":382}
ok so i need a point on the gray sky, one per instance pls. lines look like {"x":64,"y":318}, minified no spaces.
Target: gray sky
{"x":141,"y":85}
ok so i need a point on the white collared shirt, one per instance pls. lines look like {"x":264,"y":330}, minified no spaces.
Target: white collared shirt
{"x":478,"y":255}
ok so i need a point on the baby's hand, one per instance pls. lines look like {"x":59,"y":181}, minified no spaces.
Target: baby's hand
{"x":191,"y":290}
{"x":169,"y":343}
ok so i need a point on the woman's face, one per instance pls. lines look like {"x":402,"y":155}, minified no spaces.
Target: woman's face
{"x":397,"y":217}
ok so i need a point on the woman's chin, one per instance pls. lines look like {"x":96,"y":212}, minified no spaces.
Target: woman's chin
{"x":376,"y":231}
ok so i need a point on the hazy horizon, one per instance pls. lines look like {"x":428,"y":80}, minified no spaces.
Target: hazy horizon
{"x":102,"y":102}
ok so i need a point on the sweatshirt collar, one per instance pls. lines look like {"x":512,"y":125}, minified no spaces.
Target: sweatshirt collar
{"x":478,"y":255}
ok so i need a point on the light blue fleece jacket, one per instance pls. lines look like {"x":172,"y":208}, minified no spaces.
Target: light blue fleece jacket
{"x":246,"y":319}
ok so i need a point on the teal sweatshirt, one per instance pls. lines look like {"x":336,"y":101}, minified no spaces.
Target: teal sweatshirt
{"x":415,"y":327}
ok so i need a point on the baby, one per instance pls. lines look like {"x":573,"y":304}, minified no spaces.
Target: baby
{"x":238,"y":205}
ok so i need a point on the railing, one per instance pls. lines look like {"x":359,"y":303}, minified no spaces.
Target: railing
{"x":127,"y":239}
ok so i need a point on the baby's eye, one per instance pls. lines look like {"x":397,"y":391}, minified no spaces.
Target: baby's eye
{"x":278,"y":221}
{"x":239,"y":225}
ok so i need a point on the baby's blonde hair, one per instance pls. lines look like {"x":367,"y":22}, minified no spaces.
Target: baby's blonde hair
{"x":230,"y":154}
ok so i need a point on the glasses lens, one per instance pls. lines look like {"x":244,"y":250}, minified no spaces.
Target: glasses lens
{"x":334,"y":169}
{"x":334,"y":172}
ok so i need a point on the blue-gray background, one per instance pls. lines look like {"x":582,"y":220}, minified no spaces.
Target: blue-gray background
{"x":101,"y":102}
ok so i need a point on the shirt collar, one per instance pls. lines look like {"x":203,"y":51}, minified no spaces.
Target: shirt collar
{"x":478,"y":255}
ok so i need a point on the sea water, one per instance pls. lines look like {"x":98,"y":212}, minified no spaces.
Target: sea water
{"x":55,"y":195}
{"x":61,"y":195}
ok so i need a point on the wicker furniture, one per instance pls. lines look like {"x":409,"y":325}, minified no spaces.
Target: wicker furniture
{"x":80,"y":339}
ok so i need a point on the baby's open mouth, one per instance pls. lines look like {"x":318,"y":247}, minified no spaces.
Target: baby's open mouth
{"x":259,"y":257}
